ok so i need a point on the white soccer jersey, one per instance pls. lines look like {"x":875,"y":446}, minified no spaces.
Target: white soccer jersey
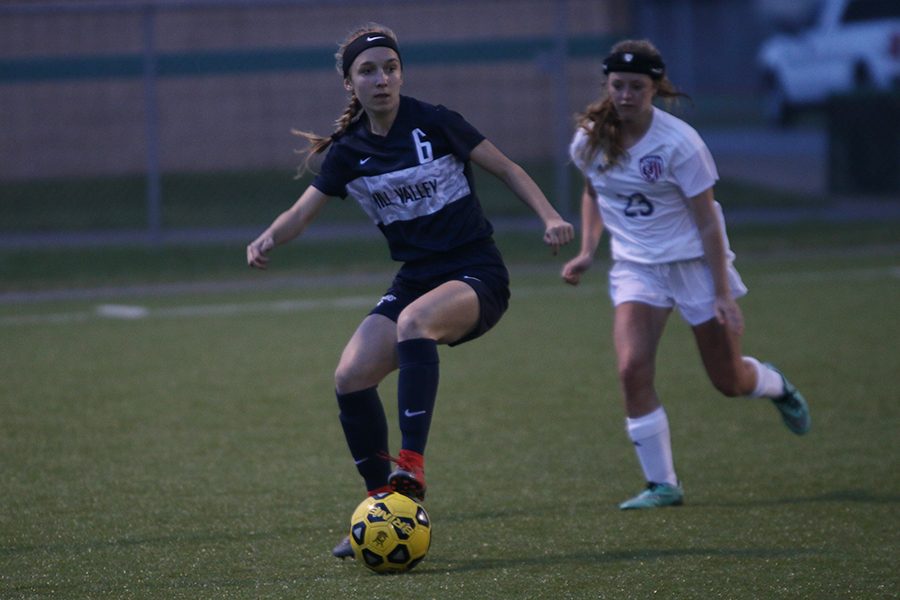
{"x":643,"y":199}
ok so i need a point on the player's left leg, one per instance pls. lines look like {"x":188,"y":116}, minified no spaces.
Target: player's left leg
{"x":720,"y":350}
{"x":441,"y":316}
{"x":734,"y":374}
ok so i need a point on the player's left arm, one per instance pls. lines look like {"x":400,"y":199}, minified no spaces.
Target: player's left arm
{"x":713,"y":239}
{"x":557,"y":231}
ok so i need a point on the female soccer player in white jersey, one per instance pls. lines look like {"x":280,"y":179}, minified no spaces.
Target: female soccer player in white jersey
{"x":407,"y":163}
{"x":649,"y":182}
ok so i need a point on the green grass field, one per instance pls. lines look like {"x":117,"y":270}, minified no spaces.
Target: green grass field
{"x":189,"y":447}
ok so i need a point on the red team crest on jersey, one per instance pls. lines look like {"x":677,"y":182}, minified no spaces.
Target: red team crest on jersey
{"x":651,"y":168}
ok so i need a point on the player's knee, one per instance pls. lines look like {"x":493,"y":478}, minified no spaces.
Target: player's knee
{"x":341,"y":380}
{"x":411,"y":325}
{"x":634,"y":374}
{"x":360,"y":373}
{"x":348,"y":377}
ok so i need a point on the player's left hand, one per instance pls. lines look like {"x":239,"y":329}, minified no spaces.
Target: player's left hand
{"x":557,"y":233}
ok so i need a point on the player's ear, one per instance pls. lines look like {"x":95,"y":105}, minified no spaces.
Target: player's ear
{"x":348,"y":85}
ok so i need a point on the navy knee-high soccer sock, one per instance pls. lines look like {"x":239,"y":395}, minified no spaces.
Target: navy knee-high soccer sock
{"x":417,"y":384}
{"x":366,"y":430}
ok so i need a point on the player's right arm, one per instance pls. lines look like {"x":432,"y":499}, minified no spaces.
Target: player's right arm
{"x":591,"y":230}
{"x":286,"y":226}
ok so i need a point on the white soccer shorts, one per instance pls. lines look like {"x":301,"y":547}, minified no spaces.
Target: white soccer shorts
{"x":686,"y":285}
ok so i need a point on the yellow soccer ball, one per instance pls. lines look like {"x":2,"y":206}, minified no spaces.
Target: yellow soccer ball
{"x":390,"y":533}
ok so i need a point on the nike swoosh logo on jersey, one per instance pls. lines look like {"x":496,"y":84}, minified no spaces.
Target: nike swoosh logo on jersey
{"x":372,"y":39}
{"x":410,"y":413}
{"x":363,"y":161}
{"x":360,"y":461}
{"x":470,"y":277}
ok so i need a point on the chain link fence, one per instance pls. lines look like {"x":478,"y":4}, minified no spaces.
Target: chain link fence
{"x":149,"y":117}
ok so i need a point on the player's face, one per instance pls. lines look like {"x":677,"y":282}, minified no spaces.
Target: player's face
{"x":631,"y":94}
{"x":376,"y":78}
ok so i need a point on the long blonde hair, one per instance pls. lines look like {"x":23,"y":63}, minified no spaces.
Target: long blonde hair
{"x":319,"y":144}
{"x":600,"y":120}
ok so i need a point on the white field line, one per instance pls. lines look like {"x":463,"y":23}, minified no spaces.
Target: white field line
{"x":135,"y":312}
{"x":138,"y":312}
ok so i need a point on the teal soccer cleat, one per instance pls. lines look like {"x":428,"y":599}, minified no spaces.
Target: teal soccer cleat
{"x":657,"y":495}
{"x":792,"y":406}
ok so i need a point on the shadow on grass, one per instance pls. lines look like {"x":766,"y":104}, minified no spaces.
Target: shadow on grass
{"x":600,"y":556}
{"x":857,"y":496}
{"x":430,"y":568}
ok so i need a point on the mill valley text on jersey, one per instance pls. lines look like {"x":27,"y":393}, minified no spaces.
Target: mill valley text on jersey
{"x":406,"y":193}
{"x":415,"y":183}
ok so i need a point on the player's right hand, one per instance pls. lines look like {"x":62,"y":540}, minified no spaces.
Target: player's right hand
{"x":575,"y":268}
{"x":258,"y":252}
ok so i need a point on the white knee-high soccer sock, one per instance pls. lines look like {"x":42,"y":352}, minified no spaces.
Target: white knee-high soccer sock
{"x":769,"y":383}
{"x":652,"y":443}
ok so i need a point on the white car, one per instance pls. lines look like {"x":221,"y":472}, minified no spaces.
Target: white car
{"x":850,"y":45}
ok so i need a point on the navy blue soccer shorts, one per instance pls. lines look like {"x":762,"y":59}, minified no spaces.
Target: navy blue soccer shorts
{"x":485,"y":274}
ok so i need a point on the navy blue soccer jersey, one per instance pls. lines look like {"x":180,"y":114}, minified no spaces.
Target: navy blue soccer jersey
{"x":415,"y":183}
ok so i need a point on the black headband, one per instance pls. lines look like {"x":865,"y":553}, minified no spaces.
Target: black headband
{"x":634,"y":62}
{"x":363,"y":43}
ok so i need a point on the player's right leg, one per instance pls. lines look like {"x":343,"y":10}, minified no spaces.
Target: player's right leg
{"x":368,"y":357}
{"x":637,"y":330}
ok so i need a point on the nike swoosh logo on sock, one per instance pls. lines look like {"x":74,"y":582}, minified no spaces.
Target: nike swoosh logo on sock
{"x":416,"y":413}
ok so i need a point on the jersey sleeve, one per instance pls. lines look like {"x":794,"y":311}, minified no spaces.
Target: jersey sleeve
{"x":461,"y":136}
{"x":577,"y":147}
{"x":695,"y":171}
{"x":331,"y":179}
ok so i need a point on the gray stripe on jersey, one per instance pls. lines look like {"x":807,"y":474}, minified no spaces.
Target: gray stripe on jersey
{"x":410,"y":193}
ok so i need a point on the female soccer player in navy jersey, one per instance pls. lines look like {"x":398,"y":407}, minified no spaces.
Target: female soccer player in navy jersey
{"x":407,"y":163}
{"x":649,"y":181}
